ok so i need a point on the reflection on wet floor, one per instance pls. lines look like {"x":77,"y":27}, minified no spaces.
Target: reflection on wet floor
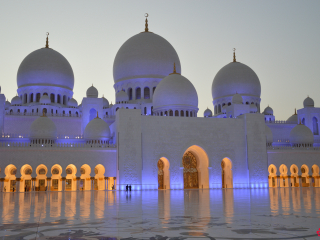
{"x":222,"y":213}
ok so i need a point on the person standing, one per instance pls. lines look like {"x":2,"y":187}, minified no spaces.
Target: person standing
{"x":130,"y":188}
{"x":127,"y":187}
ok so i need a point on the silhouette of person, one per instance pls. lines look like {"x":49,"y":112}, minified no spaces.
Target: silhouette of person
{"x":112,"y":186}
{"x":127,"y":188}
{"x":130,"y":188}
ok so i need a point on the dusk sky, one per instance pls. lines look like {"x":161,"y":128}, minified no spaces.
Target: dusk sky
{"x":279,"y":40}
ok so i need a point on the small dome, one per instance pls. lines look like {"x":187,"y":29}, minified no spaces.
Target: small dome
{"x":301,"y":134}
{"x":308,"y":102}
{"x":7,"y":105}
{"x":43,"y":128}
{"x":16,"y":101}
{"x":45,"y":99}
{"x":73,"y":103}
{"x":207,"y":113}
{"x":105,"y":102}
{"x":110,"y":105}
{"x":237,"y":99}
{"x":97,"y":129}
{"x":121,"y":97}
{"x":253,"y":108}
{"x":269,"y":135}
{"x":175,"y":90}
{"x":92,"y":92}
{"x":293,"y":118}
{"x":268,"y":111}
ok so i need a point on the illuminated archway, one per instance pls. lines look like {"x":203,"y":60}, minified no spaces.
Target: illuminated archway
{"x":26,"y":178}
{"x":315,"y":176}
{"x":305,"y":176}
{"x":71,"y":180}
{"x":294,"y":176}
{"x":283,"y":176}
{"x":195,"y":164}
{"x":273,"y":182}
{"x":163,"y":166}
{"x":226,"y":172}
{"x":85,"y":178}
{"x":99,"y":181}
{"x":56,"y":181}
{"x":41,"y":182}
{"x":10,"y":178}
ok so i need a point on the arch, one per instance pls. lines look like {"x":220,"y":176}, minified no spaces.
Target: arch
{"x":176,"y":113}
{"x":99,"y":178}
{"x":315,"y":176}
{"x":38,"y":96}
{"x":182,"y":113}
{"x":170,"y":113}
{"x":59,"y":98}
{"x":41,"y":179}
{"x":85,"y":179}
{"x":226,"y":172}
{"x":273,"y":182}
{"x":315,"y":126}
{"x":64,"y":100}
{"x":138,"y":93}
{"x":197,"y":162}
{"x":71,"y":171}
{"x":146,"y":92}
{"x":219,"y":108}
{"x":187,"y":113}
{"x":191,"y":115}
{"x":130,"y":93}
{"x":26,"y":178}
{"x":52,"y":97}
{"x":305,"y":176}
{"x":294,"y":175}
{"x":163,"y":166}
{"x":92,"y":114}
{"x":153,"y":89}
{"x":56,"y":183}
{"x":284,"y":181}
{"x":25,"y":98}
{"x":10,"y":178}
{"x":31,"y":97}
{"x":303,"y":121}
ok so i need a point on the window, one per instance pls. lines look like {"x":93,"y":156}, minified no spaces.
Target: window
{"x":190,"y":113}
{"x":68,"y":184}
{"x":315,"y":126}
{"x":42,"y":171}
{"x":219,"y":108}
{"x":215,"y":109}
{"x":146,"y":93}
{"x":51,"y":111}
{"x":182,"y":113}
{"x":77,"y":114}
{"x":145,"y":110}
{"x":44,"y":111}
{"x":25,"y":111}
{"x":64,"y":100}
{"x":31,"y":98}
{"x":59,"y":99}
{"x":38,"y":97}
{"x":171,"y":113}
{"x":18,"y":110}
{"x":25,"y":98}
{"x":55,"y":183}
{"x":130,"y":93}
{"x":229,"y":103}
{"x":52,"y":97}
{"x":176,"y":113}
{"x":138,"y":93}
{"x":187,"y":114}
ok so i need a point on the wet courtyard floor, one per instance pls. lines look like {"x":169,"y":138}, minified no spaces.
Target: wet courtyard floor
{"x":279,"y":213}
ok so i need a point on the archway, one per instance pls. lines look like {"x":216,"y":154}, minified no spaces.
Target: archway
{"x":10,"y":178}
{"x":315,"y":176}
{"x":99,"y":181}
{"x":56,"y":172}
{"x":227,"y":178}
{"x":163,"y":173}
{"x":26,"y":178}
{"x":92,"y":114}
{"x":41,"y":182}
{"x":294,"y":176}
{"x":195,"y":164}
{"x":272,"y":176}
{"x":85,"y":179}
{"x":305,"y":176}
{"x":283,"y":176}
{"x":71,"y":171}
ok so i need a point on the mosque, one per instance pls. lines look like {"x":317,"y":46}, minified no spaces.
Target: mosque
{"x":152,"y":136}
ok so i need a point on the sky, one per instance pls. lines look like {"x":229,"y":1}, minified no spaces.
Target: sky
{"x":279,"y":40}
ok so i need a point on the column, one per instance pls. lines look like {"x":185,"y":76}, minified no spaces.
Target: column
{"x":33,"y":184}
{"x":78,"y":184}
{"x":115,"y":183}
{"x":49,"y":184}
{"x":18,"y":184}
{"x":63,"y":184}
{"x":107,"y":183}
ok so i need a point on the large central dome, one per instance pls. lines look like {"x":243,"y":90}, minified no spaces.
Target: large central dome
{"x":145,"y":55}
{"x":45,"y":67}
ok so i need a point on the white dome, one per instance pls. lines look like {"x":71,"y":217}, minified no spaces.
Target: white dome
{"x":43,"y":128}
{"x":105,"y":102}
{"x":16,"y":101}
{"x":269,"y":135}
{"x":175,"y":90}
{"x":45,"y":67}
{"x":253,"y":108}
{"x":234,"y":77}
{"x":308,"y":102}
{"x":92,"y":92}
{"x":7,"y":105}
{"x":268,"y":111}
{"x":73,"y":103}
{"x":207,"y":113}
{"x":293,"y":118}
{"x":237,"y":99}
{"x":45,"y":99}
{"x":122,"y":96}
{"x":97,"y":129}
{"x":145,"y":55}
{"x":301,"y":134}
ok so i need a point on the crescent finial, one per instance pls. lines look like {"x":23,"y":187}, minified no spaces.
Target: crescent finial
{"x":146,"y":29}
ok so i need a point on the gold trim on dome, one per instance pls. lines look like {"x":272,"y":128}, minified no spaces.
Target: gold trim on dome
{"x":174,"y":69}
{"x":146,"y":24}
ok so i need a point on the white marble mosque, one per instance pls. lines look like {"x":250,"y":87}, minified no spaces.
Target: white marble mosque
{"x":152,"y":137}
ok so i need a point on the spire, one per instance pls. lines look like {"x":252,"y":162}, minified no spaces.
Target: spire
{"x":295,"y":111}
{"x":97,"y":114}
{"x":47,"y":41}
{"x":234,"y":55}
{"x":146,"y":29}
{"x":174,"y":69}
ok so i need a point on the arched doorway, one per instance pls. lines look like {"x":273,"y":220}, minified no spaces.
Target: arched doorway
{"x":71,"y":171}
{"x":190,"y":172}
{"x":283,"y":176}
{"x":294,"y":176}
{"x":41,"y":183}
{"x":273,"y":176}
{"x":26,"y":183}
{"x":227,"y":181}
{"x":56,"y":183}
{"x":315,"y":175}
{"x":160,"y":174}
{"x":305,"y":176}
{"x":85,"y":179}
{"x":163,"y":173}
{"x":99,"y":179}
{"x":10,"y":179}
{"x":92,"y":114}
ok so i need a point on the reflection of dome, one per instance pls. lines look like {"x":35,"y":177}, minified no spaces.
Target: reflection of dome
{"x":7,"y":105}
{"x":105,"y":102}
{"x":122,"y":97}
{"x":269,"y":135}
{"x":175,"y":90}
{"x":16,"y":101}
{"x":234,"y":77}
{"x":301,"y":134}
{"x":308,"y":102}
{"x":268,"y":111}
{"x":43,"y":128}
{"x":207,"y":113}
{"x":145,"y":55}
{"x":45,"y":67}
{"x":73,"y":103}
{"x":97,"y":129}
{"x":92,"y":92}
{"x":237,"y":99}
{"x":45,"y":99}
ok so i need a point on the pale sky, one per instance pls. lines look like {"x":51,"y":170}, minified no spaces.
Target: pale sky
{"x":279,"y":40}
